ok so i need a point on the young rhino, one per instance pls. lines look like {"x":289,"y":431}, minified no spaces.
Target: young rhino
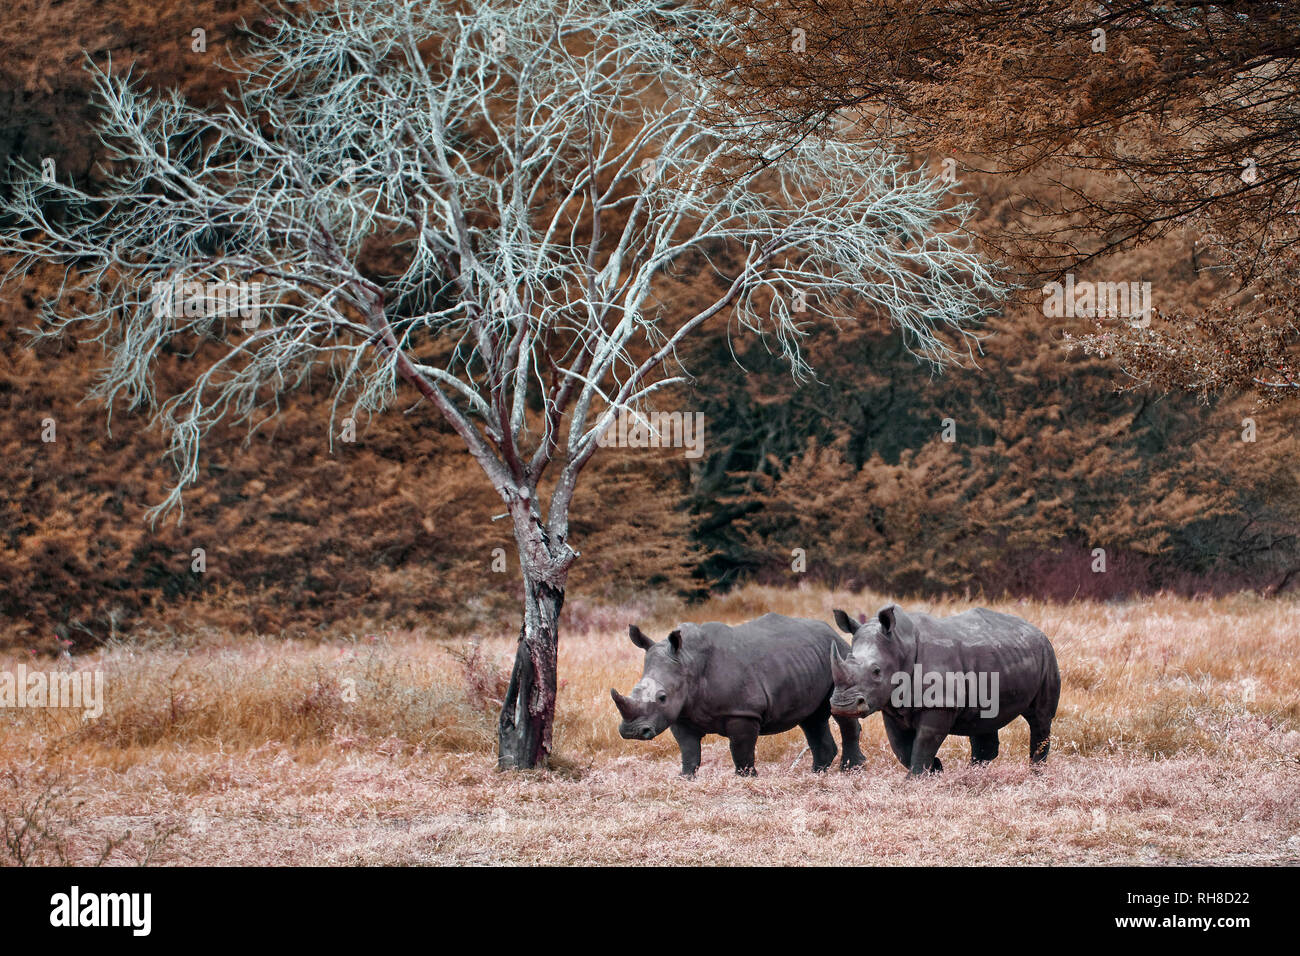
{"x":761,"y":677}
{"x":970,"y":674}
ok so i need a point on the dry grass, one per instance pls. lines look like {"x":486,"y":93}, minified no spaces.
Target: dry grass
{"x":1178,"y":740}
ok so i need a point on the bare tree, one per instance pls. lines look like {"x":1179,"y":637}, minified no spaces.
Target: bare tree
{"x":484,"y":205}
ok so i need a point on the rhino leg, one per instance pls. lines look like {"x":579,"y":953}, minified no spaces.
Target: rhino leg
{"x":1040,"y":739}
{"x":743,"y":734}
{"x":688,"y":741}
{"x":931,"y":729}
{"x":983,"y":747}
{"x":850,"y":731}
{"x":817,"y":729}
{"x":900,"y":740}
{"x":1039,"y":716}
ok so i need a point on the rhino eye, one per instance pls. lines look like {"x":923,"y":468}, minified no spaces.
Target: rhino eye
{"x":875,"y":672}
{"x":662,"y":697}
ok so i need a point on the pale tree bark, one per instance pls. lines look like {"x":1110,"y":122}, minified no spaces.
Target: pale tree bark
{"x":528,"y":711}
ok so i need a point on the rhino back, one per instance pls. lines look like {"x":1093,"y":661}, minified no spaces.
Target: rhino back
{"x":981,"y":641}
{"x":775,"y":669}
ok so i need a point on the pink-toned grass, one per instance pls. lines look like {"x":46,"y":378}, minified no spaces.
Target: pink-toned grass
{"x":1177,"y":740}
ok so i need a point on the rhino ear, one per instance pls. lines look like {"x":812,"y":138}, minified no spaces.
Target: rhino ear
{"x":639,"y":639}
{"x":675,"y":640}
{"x":887,"y":618}
{"x":846,"y":623}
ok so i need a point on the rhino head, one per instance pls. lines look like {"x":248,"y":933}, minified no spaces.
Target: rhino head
{"x":657,"y":699}
{"x":865,"y":679}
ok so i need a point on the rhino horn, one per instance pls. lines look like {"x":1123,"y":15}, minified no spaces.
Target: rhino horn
{"x":623,"y":704}
{"x":839,"y":673}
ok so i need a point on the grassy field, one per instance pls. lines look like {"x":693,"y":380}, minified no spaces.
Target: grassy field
{"x":1177,"y":740}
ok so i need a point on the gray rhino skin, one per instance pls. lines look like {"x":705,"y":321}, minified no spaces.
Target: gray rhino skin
{"x":979,"y":641}
{"x":762,"y":677}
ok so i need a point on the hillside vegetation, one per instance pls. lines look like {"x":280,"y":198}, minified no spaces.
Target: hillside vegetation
{"x":847,"y":481}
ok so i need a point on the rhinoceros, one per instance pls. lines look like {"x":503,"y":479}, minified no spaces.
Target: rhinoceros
{"x":970,"y":674}
{"x":762,"y":677}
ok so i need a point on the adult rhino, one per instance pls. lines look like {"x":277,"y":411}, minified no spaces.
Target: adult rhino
{"x":970,"y":674}
{"x":762,"y":677}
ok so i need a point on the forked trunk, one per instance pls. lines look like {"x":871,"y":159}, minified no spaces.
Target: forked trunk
{"x":524,"y":735}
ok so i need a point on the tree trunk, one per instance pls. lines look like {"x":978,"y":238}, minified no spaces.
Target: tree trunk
{"x":524,"y":735}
